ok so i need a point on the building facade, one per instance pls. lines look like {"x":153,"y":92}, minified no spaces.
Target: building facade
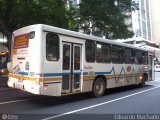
{"x":141,"y":20}
{"x":3,"y":39}
{"x":155,"y":20}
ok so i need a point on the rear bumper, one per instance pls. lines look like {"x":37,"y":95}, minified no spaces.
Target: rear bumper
{"x":25,"y":85}
{"x":30,"y":84}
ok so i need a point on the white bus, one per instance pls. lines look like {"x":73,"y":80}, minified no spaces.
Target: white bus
{"x":47,"y":60}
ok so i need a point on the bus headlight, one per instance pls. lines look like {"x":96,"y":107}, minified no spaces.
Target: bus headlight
{"x":146,"y":67}
{"x":2,"y":71}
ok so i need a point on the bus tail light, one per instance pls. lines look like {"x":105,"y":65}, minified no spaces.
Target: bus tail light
{"x":37,"y":81}
{"x":45,"y":87}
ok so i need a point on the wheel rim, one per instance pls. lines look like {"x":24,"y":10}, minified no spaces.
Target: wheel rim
{"x":99,"y":88}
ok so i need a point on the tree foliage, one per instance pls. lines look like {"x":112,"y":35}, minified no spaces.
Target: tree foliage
{"x":105,"y":18}
{"x":19,"y":13}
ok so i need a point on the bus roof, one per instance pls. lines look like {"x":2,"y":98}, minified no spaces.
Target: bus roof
{"x":78,"y":35}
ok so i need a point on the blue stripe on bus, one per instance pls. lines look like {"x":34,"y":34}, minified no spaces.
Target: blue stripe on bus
{"x":75,"y":73}
{"x":103,"y":73}
{"x":23,"y":73}
{"x":61,"y":74}
{"x":53,"y":74}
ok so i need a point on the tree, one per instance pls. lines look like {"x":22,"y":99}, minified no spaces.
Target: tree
{"x":15,"y":14}
{"x":105,"y":17}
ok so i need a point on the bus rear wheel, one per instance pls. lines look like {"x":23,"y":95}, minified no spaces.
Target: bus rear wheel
{"x":98,"y":89}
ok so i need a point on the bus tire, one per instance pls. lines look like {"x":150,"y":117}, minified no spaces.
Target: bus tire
{"x":99,"y":87}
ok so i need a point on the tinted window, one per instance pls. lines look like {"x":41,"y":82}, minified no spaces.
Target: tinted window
{"x":77,"y":55}
{"x":117,"y":54}
{"x":90,"y":51}
{"x":145,"y":58}
{"x":138,"y":57}
{"x":66,"y":57}
{"x":52,"y":47}
{"x":128,"y":56}
{"x":102,"y":53}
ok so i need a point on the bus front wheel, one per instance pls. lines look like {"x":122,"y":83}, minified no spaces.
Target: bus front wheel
{"x":98,"y":89}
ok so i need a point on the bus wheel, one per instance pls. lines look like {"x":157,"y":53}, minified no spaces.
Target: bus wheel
{"x":98,"y":87}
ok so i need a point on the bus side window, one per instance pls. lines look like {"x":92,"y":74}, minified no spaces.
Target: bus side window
{"x":52,"y":47}
{"x":128,"y":56}
{"x":117,"y":54}
{"x":90,"y":51}
{"x":145,"y":58}
{"x":138,"y":57}
{"x":103,"y":53}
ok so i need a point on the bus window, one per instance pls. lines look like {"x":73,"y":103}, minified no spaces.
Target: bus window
{"x":145,"y":58}
{"x":66,"y":57}
{"x":77,"y":55}
{"x":3,"y":61}
{"x":90,"y":51}
{"x":128,"y":56}
{"x":52,"y":47}
{"x":117,"y":54}
{"x":103,"y":53}
{"x":138,"y":57}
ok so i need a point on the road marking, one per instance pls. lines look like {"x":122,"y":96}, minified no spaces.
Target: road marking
{"x":100,"y":104}
{"x":2,"y":103}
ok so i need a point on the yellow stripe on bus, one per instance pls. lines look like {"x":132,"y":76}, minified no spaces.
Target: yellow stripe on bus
{"x":52,"y":79}
{"x":88,"y":77}
{"x":34,"y":79}
{"x":21,"y":77}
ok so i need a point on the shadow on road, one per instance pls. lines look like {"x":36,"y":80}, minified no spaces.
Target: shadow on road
{"x":46,"y":101}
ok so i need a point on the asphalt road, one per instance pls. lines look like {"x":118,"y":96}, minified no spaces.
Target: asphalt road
{"x":131,"y":102}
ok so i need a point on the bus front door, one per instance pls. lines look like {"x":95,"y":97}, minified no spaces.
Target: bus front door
{"x":71,"y":68}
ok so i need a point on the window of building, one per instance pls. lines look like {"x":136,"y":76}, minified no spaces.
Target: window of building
{"x":52,"y":47}
{"x":103,"y":53}
{"x":90,"y":51}
{"x":117,"y":54}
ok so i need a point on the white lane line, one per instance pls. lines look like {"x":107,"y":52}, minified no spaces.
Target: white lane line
{"x":100,"y":104}
{"x":2,"y":103}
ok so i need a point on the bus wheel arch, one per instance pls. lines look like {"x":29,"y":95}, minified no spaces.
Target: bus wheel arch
{"x":99,"y":86}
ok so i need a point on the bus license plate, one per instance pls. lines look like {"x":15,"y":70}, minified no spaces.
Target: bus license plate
{"x":19,"y":85}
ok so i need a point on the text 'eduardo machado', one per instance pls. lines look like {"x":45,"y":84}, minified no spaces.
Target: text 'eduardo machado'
{"x":137,"y":116}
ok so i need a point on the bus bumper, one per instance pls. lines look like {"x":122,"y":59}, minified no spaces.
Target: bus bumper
{"x":25,"y":85}
{"x":34,"y":87}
